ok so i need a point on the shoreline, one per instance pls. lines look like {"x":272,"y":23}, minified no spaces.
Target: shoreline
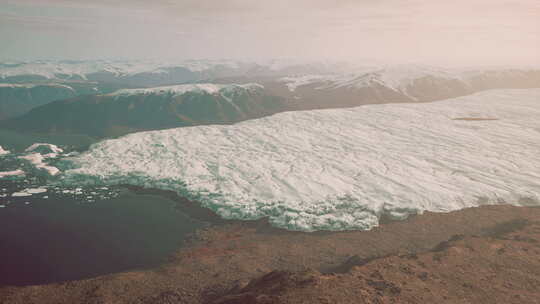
{"x":232,"y":253}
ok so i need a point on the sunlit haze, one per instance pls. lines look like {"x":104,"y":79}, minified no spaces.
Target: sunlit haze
{"x":477,"y":32}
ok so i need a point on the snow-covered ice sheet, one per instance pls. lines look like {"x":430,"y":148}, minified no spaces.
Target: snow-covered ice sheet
{"x":342,"y":168}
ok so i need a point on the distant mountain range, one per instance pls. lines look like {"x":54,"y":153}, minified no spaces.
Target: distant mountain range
{"x":132,"y":110}
{"x":399,"y":84}
{"x":101,"y":98}
{"x":17,"y":99}
{"x":148,"y":74}
{"x":25,"y":85}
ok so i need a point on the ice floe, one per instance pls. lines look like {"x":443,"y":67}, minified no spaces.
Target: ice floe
{"x":29,"y":192}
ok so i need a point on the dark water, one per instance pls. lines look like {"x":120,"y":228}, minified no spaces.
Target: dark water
{"x":81,"y":232}
{"x":60,"y":238}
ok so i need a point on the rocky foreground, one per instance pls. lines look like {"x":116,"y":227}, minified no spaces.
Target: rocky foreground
{"x":489,"y":254}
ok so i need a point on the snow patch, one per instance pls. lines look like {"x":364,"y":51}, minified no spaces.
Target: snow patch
{"x":12,"y":173}
{"x":178,"y":90}
{"x":38,"y":153}
{"x":3,"y":152}
{"x":45,"y":149}
{"x":37,"y":160}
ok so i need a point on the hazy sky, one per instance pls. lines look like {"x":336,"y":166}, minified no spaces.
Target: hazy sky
{"x":463,"y":32}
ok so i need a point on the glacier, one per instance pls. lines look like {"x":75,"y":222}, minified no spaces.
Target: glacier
{"x":338,"y":169}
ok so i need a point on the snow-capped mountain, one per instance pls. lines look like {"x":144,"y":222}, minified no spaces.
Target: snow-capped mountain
{"x":342,"y":168}
{"x":409,"y":83}
{"x":130,"y":110}
{"x":97,"y":77}
{"x":102,"y":70}
{"x":18,"y":98}
{"x":290,"y":85}
{"x":151,"y":73}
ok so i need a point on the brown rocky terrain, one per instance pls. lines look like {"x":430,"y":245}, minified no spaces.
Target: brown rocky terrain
{"x":489,"y":254}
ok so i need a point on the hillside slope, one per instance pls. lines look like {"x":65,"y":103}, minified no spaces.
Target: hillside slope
{"x":132,"y":110}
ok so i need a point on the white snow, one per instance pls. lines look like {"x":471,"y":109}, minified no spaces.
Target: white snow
{"x":202,"y":65}
{"x":397,"y":78}
{"x":20,"y":194}
{"x":293,"y":82}
{"x":12,"y":173}
{"x":13,"y":85}
{"x":50,"y":69}
{"x":342,"y":168}
{"x":32,"y":85}
{"x":53,"y":69}
{"x":44,"y":148}
{"x":37,"y":156}
{"x":177,"y":90}
{"x":36,"y":190}
{"x":3,"y":152}
{"x":37,"y":160}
